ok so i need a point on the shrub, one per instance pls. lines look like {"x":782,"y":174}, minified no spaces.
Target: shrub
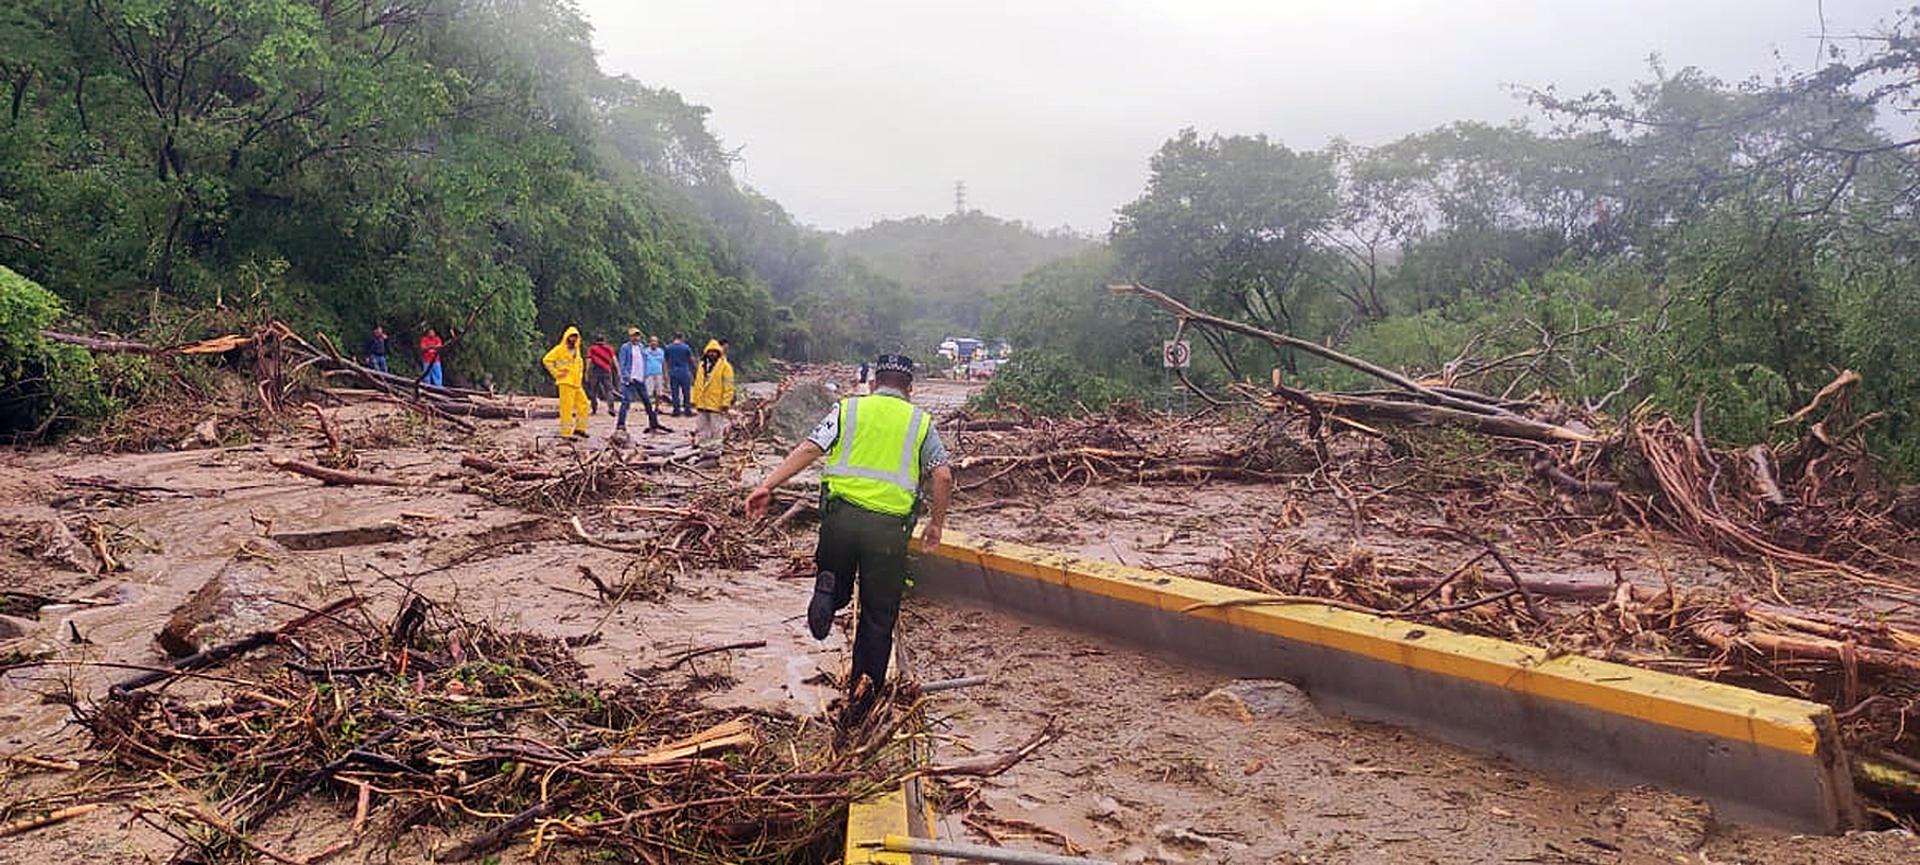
{"x":1049,"y":384}
{"x":44,"y":386}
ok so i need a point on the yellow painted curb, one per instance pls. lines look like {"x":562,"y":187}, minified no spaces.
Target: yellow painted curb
{"x":874,"y":818}
{"x":888,"y":812}
{"x":1710,"y":708}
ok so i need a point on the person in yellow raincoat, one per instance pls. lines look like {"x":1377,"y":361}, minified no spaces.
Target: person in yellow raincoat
{"x":712,"y":396}
{"x":564,"y":364}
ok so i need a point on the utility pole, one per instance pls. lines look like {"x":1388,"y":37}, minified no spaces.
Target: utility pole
{"x":959,"y":198}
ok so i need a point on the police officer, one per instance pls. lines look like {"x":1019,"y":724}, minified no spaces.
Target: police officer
{"x":878,"y":448}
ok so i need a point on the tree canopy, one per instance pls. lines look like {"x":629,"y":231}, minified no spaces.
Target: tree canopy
{"x":1690,"y":240}
{"x":351,"y":162}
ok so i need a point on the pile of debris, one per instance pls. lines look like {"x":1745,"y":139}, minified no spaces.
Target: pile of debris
{"x":273,"y":357}
{"x":434,"y":719}
{"x":1820,"y":595}
{"x":590,"y":477}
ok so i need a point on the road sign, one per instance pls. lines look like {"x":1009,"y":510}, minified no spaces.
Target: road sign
{"x":1176,"y":355}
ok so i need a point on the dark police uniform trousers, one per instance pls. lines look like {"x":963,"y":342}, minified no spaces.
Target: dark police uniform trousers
{"x":858,"y":542}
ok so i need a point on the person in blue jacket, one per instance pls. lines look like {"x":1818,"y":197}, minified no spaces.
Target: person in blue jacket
{"x":632,"y":363}
{"x":680,"y":375}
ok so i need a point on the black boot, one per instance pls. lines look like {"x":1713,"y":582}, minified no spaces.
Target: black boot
{"x":820,"y":607}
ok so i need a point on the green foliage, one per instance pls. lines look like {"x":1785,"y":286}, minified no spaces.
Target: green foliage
{"x":44,"y":386}
{"x":853,"y":312}
{"x":1688,"y":241}
{"x":352,"y":163}
{"x":1579,"y":330}
{"x":1049,"y":384}
{"x":1064,"y":309}
{"x":1231,"y":223}
{"x":1765,"y":311}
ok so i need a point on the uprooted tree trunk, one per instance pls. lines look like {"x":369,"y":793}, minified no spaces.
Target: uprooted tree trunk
{"x":276,"y":354}
{"x":1421,"y":404}
{"x":216,"y":345}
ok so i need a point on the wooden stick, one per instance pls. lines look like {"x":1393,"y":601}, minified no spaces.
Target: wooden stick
{"x":28,"y":824}
{"x":1505,"y":424}
{"x":710,"y":650}
{"x":216,"y":345}
{"x":38,"y":762}
{"x":952,"y":684}
{"x":987,"y":767}
{"x":237,"y":647}
{"x":492,"y":839}
{"x":1760,"y":461}
{"x":580,"y":532}
{"x":214,"y":822}
{"x":975,"y":852}
{"x":1543,"y":466}
{"x":334,"y":477}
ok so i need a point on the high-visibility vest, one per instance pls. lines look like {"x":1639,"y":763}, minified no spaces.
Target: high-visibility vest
{"x":875,"y":463}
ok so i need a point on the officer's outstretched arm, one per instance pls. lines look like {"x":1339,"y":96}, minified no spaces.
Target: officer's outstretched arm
{"x":942,"y":478}
{"x":796,"y":462}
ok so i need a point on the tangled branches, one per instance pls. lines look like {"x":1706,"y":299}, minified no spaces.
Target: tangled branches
{"x":1825,"y":527}
{"x":1867,"y":669}
{"x":596,"y":476}
{"x":436,"y":719}
{"x":1115,"y":448}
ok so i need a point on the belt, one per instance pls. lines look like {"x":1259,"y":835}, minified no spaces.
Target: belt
{"x":830,"y":503}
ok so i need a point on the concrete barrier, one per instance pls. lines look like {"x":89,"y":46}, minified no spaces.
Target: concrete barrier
{"x":902,"y":810}
{"x":1757,"y":758}
{"x":873,"y":818}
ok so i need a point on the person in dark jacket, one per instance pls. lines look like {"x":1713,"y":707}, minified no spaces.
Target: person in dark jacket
{"x":377,"y":349}
{"x":680,"y":375}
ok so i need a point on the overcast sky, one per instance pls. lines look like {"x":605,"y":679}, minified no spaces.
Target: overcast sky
{"x":855,"y":110}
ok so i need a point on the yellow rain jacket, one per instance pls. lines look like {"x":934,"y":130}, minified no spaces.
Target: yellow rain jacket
{"x":712,"y":391}
{"x":564,"y":363}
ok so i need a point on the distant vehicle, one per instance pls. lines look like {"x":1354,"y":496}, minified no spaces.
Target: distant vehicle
{"x":960,"y":349}
{"x":983,"y":369}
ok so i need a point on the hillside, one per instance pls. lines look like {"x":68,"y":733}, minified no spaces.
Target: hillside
{"x":950,"y":265}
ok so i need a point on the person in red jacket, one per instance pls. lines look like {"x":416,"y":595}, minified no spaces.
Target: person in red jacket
{"x":430,"y":358}
{"x":600,"y":376}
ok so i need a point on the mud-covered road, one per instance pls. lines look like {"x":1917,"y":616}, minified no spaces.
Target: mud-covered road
{"x":1149,"y":768}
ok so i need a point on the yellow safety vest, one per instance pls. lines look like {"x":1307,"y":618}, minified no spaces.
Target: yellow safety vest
{"x":875,"y":463}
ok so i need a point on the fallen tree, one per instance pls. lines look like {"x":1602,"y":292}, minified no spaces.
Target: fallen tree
{"x":1421,"y":404}
{"x":277,"y":354}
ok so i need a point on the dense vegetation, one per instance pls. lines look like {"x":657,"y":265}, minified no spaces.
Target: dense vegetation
{"x":42,"y":384}
{"x":1690,"y":240}
{"x":954,"y":264}
{"x":171,"y":167}
{"x":896,"y":284}
{"x":354,"y":162}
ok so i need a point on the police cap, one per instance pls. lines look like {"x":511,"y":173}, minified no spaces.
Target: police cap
{"x":899,"y":363}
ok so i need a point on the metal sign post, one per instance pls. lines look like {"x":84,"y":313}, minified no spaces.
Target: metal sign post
{"x":1176,"y":354}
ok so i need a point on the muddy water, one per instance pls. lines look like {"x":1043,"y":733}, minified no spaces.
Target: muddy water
{"x":1146,"y":773}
